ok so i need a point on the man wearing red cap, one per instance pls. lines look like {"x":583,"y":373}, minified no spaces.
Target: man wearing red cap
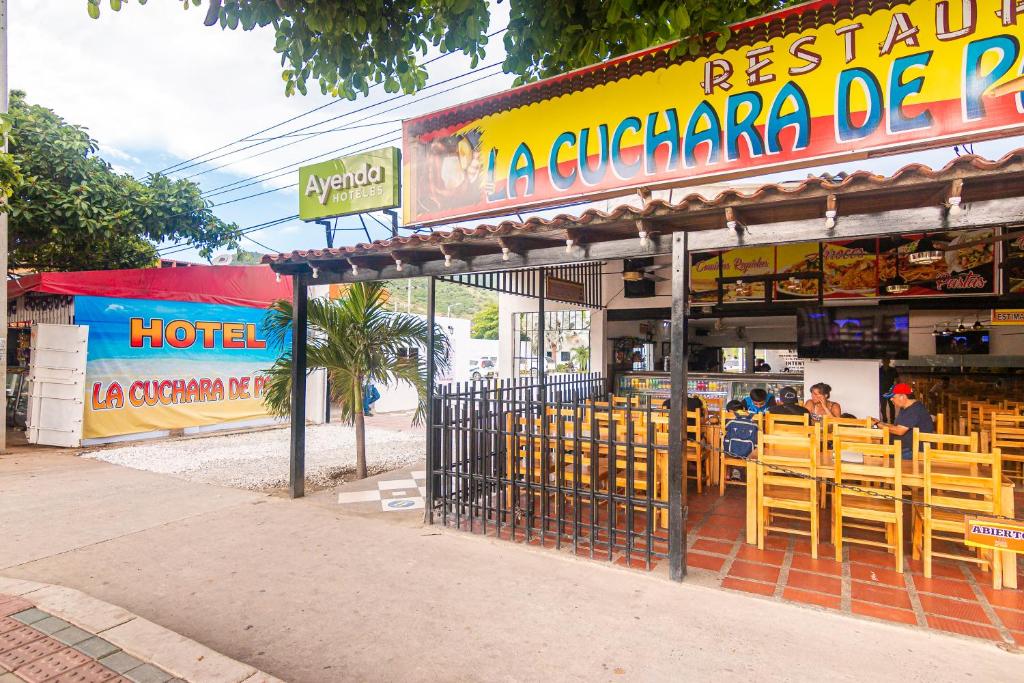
{"x":912,"y":413}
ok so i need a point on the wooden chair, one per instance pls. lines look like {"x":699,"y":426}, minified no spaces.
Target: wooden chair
{"x":944,"y":442}
{"x":634,"y":401}
{"x":780,"y":424}
{"x":879,"y":471}
{"x":1007,"y":434}
{"x":694,"y":448}
{"x":727,"y":461}
{"x":957,"y":484}
{"x":786,"y":485}
{"x":829,"y":425}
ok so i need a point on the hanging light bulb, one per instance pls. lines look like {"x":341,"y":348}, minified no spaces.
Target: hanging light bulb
{"x":927,"y":253}
{"x":277,"y":277}
{"x":954,"y":206}
{"x":977,"y":325}
{"x":355,"y":268}
{"x":643,"y":238}
{"x":505,"y":251}
{"x":897,"y":285}
{"x":960,"y":327}
{"x":316,"y":272}
{"x":947,"y":331}
{"x":830,"y":219}
{"x":398,"y":265}
{"x":447,"y":260}
{"x":568,"y":245}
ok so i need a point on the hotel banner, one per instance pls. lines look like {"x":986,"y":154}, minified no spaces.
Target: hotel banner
{"x":822,"y":82}
{"x":158,"y":365}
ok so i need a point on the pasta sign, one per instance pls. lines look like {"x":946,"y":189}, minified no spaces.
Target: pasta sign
{"x":825,"y":81}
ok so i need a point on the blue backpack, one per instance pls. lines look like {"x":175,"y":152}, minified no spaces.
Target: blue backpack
{"x":740,"y":437}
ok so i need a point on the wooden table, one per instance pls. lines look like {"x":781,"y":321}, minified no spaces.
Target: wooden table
{"x":911,"y":479}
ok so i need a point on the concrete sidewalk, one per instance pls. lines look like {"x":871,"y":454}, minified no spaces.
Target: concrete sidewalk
{"x":307,"y":592}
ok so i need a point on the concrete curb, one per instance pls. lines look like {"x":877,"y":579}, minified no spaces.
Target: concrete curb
{"x":151,"y":642}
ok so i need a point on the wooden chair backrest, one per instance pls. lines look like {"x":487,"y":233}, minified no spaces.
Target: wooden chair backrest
{"x":794,"y":451}
{"x":879,"y":469}
{"x":625,"y":400}
{"x":1007,"y":433}
{"x":774,"y":420}
{"x":1013,"y":406}
{"x":962,"y":480}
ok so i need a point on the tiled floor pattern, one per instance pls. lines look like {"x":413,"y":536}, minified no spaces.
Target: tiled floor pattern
{"x":37,"y":647}
{"x":957,"y":599}
{"x":393,"y":495}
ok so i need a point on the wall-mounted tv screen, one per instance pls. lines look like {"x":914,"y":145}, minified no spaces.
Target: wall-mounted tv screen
{"x":862,"y":333}
{"x":963,"y":343}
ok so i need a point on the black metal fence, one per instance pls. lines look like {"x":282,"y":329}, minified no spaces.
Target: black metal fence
{"x":553,"y":465}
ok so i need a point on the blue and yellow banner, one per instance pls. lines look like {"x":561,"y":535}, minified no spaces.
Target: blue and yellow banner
{"x":159,"y":365}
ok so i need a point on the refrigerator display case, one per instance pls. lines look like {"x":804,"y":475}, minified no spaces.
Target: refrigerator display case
{"x":657,"y":386}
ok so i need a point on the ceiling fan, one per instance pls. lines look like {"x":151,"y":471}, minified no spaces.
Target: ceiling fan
{"x":635,"y":270}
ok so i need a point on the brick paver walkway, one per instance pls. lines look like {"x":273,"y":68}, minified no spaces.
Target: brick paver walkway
{"x":36,"y":646}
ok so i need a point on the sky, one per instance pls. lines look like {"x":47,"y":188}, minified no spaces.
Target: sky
{"x":155,"y":88}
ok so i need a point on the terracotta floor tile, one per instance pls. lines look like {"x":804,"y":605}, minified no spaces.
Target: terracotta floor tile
{"x":956,"y":609}
{"x":710,"y":546}
{"x":821,"y":566}
{"x":1011,"y":619}
{"x":965,"y":628}
{"x":877,"y":558}
{"x":869,"y":609}
{"x":748,"y":570}
{"x":821,"y":583}
{"x":1006,"y":598}
{"x":942,"y":570}
{"x":748,"y":586}
{"x":1018,"y":637}
{"x":720,"y":532}
{"x":811,"y":598}
{"x":881,"y":595}
{"x":752,"y":554}
{"x":803,"y":547}
{"x":703,"y":561}
{"x":776,"y":543}
{"x":636,"y":562}
{"x":946,"y":587}
{"x":875,"y":574}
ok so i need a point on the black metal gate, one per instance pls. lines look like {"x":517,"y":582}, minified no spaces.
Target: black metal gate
{"x":553,"y":464}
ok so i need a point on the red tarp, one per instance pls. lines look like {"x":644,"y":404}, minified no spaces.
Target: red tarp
{"x":253,"y":286}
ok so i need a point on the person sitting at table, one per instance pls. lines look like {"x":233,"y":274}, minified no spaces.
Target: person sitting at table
{"x":912,"y":414}
{"x":736,"y":406}
{"x":758,"y":401}
{"x":790,"y":403}
{"x":692,"y":403}
{"x":819,"y":405}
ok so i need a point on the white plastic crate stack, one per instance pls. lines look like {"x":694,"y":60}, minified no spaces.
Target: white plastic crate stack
{"x":57,"y":384}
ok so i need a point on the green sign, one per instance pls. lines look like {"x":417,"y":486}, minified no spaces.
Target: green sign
{"x":362,"y":182}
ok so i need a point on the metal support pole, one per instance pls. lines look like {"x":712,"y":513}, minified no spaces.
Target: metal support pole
{"x":297,"y":464}
{"x":431,"y":412}
{"x":3,"y":230}
{"x":677,"y":443}
{"x":541,"y":334}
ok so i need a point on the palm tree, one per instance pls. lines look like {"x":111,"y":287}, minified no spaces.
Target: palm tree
{"x":358,"y":342}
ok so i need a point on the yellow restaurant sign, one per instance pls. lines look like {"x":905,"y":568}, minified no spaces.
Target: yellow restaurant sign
{"x":821,"y":82}
{"x":1008,"y":316}
{"x":994,"y":533}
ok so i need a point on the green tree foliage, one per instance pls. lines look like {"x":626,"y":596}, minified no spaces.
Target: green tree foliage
{"x":359,"y":342}
{"x":485,"y":322}
{"x":244,"y":257}
{"x":463,"y":301}
{"x":69,"y":211}
{"x":346,"y":47}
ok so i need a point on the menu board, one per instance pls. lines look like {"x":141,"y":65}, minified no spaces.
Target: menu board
{"x":741,"y":263}
{"x":802,"y":257}
{"x":704,"y":272}
{"x":1013,"y":266}
{"x":859,"y":269}
{"x":970,"y":270}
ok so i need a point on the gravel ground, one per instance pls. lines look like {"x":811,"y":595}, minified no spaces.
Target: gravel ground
{"x":258,"y":460}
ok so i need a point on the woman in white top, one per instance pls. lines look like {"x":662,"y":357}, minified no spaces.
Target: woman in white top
{"x":819,"y":404}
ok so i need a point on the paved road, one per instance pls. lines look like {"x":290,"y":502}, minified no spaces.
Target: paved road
{"x":309,"y":592}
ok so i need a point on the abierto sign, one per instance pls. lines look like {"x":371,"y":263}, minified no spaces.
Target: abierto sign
{"x":994,"y":533}
{"x":362,"y":182}
{"x":821,"y":82}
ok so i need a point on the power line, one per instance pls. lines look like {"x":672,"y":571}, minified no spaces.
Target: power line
{"x":299,"y":116}
{"x":314,"y":133}
{"x":175,"y":248}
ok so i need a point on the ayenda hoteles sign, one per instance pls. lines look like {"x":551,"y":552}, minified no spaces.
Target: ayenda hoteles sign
{"x":362,"y":182}
{"x":823,"y":82}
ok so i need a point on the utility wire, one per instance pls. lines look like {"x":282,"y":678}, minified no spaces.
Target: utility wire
{"x":179,"y":165}
{"x":365,"y":118}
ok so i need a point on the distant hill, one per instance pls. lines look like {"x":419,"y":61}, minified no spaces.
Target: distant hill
{"x":465,"y":301}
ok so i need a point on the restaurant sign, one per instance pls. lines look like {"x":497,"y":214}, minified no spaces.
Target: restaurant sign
{"x":994,"y":533}
{"x":836,"y":80}
{"x":362,"y":182}
{"x":559,"y":289}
